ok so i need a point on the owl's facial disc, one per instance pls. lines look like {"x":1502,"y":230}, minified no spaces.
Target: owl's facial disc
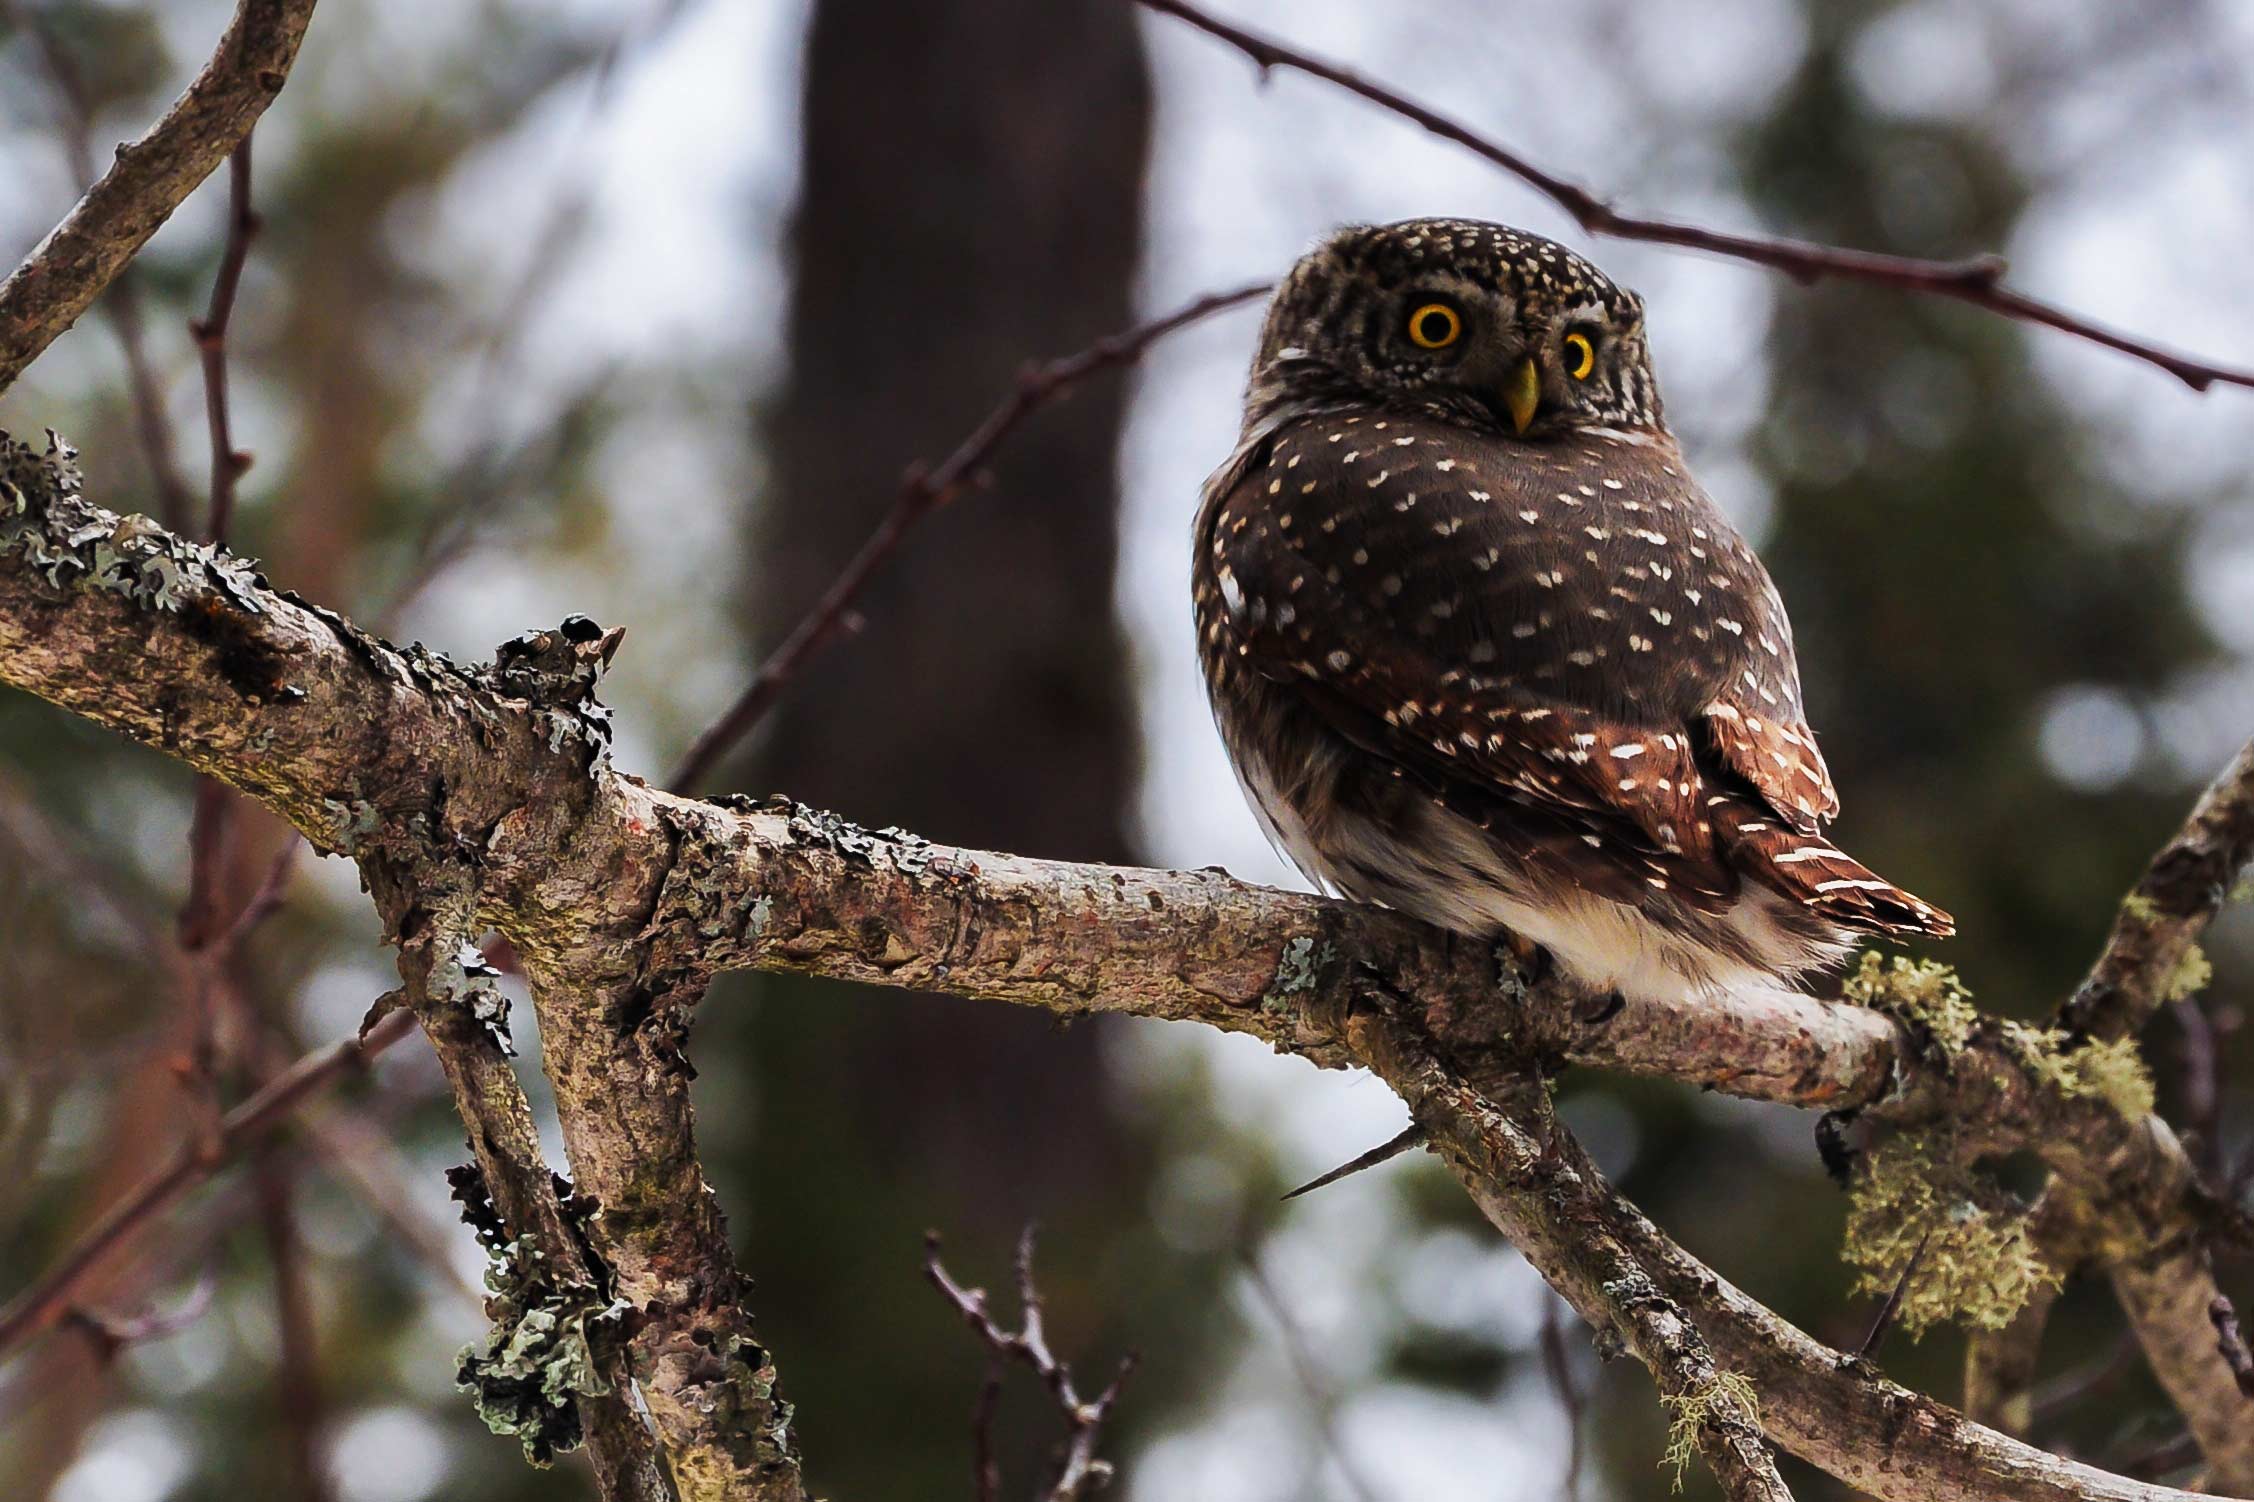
{"x":1478,"y":323}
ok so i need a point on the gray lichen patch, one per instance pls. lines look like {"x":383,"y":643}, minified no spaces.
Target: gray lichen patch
{"x":546,"y":1349}
{"x":550,"y":1338}
{"x":1955,"y":1244}
{"x":74,"y":544}
{"x":1298,"y":972}
{"x":465,"y":979}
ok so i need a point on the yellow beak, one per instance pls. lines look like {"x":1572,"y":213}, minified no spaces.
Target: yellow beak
{"x":1522,"y":393}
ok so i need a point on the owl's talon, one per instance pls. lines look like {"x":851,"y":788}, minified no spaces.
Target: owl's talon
{"x":1598,"y":1010}
{"x":1523,"y":959}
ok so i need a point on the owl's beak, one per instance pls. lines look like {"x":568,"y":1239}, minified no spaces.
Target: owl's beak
{"x":1522,"y":393}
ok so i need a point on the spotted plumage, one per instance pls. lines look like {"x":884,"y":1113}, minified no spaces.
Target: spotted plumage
{"x":1482,"y":650}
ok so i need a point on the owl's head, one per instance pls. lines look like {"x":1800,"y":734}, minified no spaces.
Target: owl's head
{"x":1478,"y":323}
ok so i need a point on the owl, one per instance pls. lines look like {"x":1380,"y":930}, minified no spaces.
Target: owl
{"x":1483,"y":651}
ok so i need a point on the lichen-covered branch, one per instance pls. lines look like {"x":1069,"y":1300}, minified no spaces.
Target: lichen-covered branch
{"x":484,"y":796}
{"x":1531,"y":1179}
{"x":2154,"y":934}
{"x":148,"y":179}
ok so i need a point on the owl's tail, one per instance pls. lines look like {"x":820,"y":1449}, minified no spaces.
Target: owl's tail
{"x":1825,"y":880}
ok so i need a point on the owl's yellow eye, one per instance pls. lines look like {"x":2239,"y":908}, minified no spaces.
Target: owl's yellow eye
{"x":1435,"y":325}
{"x":1581,"y":356}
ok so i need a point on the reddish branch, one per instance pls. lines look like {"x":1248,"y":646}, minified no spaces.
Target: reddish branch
{"x":923,"y":491}
{"x":1978,"y":280}
{"x":48,"y":1299}
{"x":227,"y":464}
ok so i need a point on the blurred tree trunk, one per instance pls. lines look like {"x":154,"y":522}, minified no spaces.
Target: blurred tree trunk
{"x":972,"y":198}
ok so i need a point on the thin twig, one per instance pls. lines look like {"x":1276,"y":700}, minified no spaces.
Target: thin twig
{"x":60,"y":279}
{"x":227,"y":463}
{"x":40,"y":1305}
{"x":1977,"y":280}
{"x":1558,"y":1367}
{"x":924,"y":490}
{"x":1078,"y":1470}
{"x":111,"y":1335}
{"x":2053,"y":1399}
{"x":1407,"y":1139}
{"x":1312,"y":1380}
{"x":123,"y":305}
{"x":1881,"y":1322}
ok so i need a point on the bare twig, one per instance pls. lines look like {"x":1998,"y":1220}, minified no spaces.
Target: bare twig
{"x":1408,"y":1139}
{"x":923,"y":491}
{"x":2055,"y":1398}
{"x":297,"y":1371}
{"x":227,"y":463}
{"x":1312,"y":1379}
{"x":1078,"y":1471}
{"x":1557,"y":1366}
{"x":39,"y":1306}
{"x":1978,"y":280}
{"x":123,"y":305}
{"x":1883,"y":1320}
{"x":113,"y":1335}
{"x":60,"y":279}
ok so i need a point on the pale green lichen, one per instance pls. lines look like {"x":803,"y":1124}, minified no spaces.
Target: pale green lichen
{"x":2140,"y":907}
{"x":1919,"y":1220}
{"x":1923,"y":992}
{"x":1694,"y":1410}
{"x":549,"y":1337}
{"x":1297,"y":972}
{"x":2189,"y":977}
{"x":543,"y":1352}
{"x":2111,"y":1071}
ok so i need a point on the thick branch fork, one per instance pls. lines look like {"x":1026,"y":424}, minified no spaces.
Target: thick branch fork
{"x":486,"y":795}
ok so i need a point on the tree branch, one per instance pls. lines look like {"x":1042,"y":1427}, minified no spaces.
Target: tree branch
{"x":61,"y":278}
{"x":1978,"y":281}
{"x":624,"y":900}
{"x":2180,"y":892}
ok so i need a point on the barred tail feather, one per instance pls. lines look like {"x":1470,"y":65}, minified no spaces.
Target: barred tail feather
{"x":1825,"y":880}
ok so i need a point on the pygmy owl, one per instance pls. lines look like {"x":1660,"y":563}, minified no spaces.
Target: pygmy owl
{"x":1482,"y":650}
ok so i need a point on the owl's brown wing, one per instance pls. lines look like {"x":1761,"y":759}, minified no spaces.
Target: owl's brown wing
{"x":1371,"y":574}
{"x":1571,"y":627}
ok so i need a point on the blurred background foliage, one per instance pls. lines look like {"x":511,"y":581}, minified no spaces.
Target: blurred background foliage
{"x":639,"y":309}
